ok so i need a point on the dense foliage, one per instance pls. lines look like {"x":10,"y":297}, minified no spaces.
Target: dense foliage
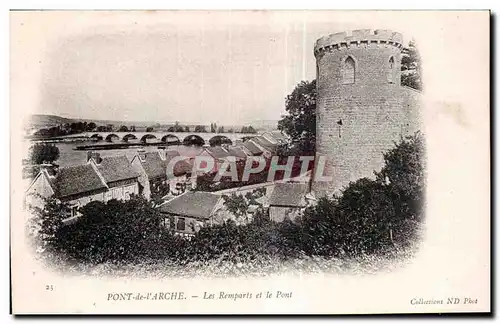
{"x":300,"y":122}
{"x":65,"y":129}
{"x":219,"y":140}
{"x":43,"y":153}
{"x":411,"y":67}
{"x":248,"y":130}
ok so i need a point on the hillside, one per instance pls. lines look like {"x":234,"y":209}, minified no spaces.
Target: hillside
{"x":47,"y":120}
{"x":38,"y":121}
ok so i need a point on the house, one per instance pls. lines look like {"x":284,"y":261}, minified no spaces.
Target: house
{"x":218,"y":154}
{"x":97,"y":180}
{"x":251,"y":149}
{"x":238,"y":153}
{"x":287,"y":200}
{"x":118,"y":174}
{"x":155,"y":182}
{"x":268,"y":148}
{"x":187,"y":213}
{"x":275,"y":137}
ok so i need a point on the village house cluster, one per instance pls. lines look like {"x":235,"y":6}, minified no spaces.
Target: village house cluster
{"x":186,"y":210}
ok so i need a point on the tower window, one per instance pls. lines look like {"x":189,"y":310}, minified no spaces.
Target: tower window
{"x":348,"y":70}
{"x":390,"y":72}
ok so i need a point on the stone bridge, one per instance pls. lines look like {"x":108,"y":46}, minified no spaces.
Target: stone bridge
{"x":161,"y":137}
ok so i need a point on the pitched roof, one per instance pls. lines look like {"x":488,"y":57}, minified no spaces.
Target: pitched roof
{"x":153,"y":165}
{"x":75,"y":180}
{"x":171,"y":153}
{"x":237,"y":152}
{"x":288,"y":194}
{"x":278,"y":136}
{"x":217,"y":152}
{"x":116,"y":168}
{"x":252,"y":148}
{"x":196,"y":204}
{"x":262,"y":141}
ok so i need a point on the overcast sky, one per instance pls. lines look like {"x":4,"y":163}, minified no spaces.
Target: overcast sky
{"x":225,"y":67}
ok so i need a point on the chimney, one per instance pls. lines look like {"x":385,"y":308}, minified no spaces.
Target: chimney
{"x":51,"y":169}
{"x":96,"y":156}
{"x":163,"y":154}
{"x":142,"y":155}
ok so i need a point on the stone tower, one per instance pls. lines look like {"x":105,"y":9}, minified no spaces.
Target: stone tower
{"x":361,"y":106}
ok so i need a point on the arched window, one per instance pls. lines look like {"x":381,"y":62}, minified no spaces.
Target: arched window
{"x":348,"y":70}
{"x":390,"y":73}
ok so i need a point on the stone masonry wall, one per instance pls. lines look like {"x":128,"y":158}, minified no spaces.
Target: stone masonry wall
{"x":357,"y":122}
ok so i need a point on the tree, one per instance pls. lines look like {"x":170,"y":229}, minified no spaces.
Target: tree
{"x":200,"y":129}
{"x":171,"y":129}
{"x":112,"y":231}
{"x":91,"y":126}
{"x":150,"y":129}
{"x":404,"y":173}
{"x":300,"y":122}
{"x":178,"y":127}
{"x":46,"y":222}
{"x":213,"y":127}
{"x":235,"y":204}
{"x":123,"y":128}
{"x":411,"y":67}
{"x":248,"y":130}
{"x":221,"y":129}
{"x":219,"y":140}
{"x":132,"y":128}
{"x":102,"y":128}
{"x":186,"y":129}
{"x":371,"y":216}
{"x":43,"y":153}
{"x":110,"y":127}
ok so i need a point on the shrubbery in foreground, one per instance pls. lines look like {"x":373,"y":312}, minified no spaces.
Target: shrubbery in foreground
{"x":369,"y":218}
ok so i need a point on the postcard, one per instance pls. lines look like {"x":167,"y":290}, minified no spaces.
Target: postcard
{"x":250,"y":162}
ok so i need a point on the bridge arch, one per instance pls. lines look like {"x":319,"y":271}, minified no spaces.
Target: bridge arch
{"x":97,"y":137}
{"x":193,"y":140}
{"x":219,"y":140}
{"x":112,"y":136}
{"x":171,"y":139}
{"x":128,"y":137}
{"x":146,"y":137}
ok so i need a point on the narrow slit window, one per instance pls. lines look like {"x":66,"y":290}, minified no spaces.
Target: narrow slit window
{"x":349,"y":70}
{"x":390,"y":73}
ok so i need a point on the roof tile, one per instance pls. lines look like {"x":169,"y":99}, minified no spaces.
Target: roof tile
{"x":288,"y":194}
{"x":197,"y":204}
{"x":116,"y":168}
{"x":76,"y":180}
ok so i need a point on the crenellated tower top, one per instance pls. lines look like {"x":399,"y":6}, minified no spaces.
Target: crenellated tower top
{"x":358,"y":37}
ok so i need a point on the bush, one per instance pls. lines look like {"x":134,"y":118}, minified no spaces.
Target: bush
{"x":113,"y":231}
{"x":43,"y":153}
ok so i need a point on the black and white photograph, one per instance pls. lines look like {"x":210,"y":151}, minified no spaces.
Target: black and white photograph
{"x":258,"y":162}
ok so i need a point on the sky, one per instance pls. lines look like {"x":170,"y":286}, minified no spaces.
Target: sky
{"x":197,"y":67}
